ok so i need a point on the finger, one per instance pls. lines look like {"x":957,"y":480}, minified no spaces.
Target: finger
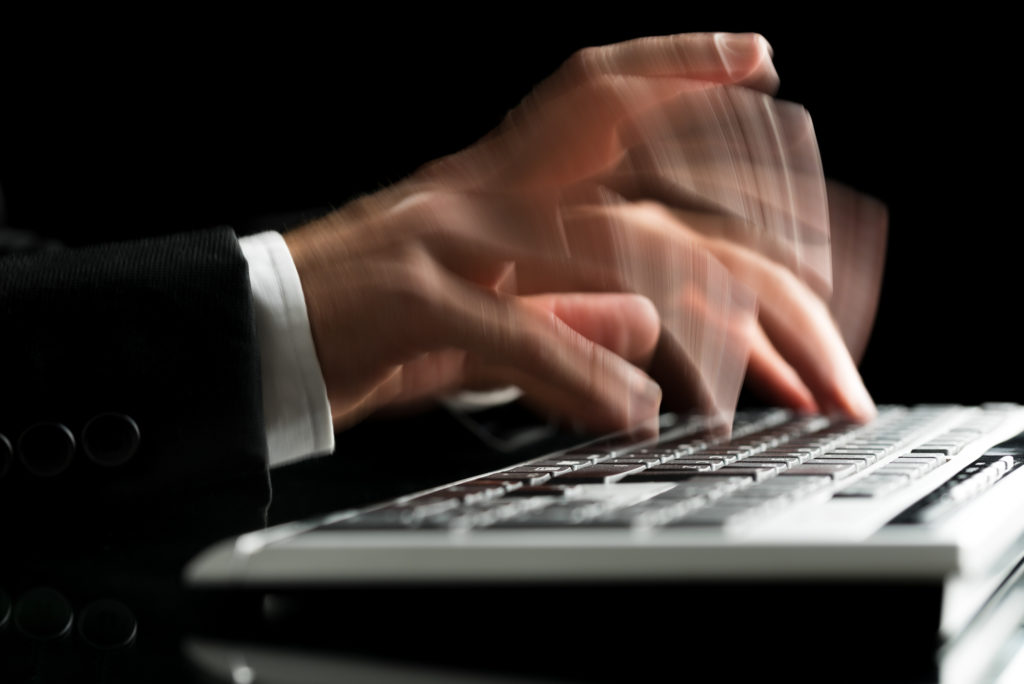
{"x":736,"y":58}
{"x":428,"y":376}
{"x":800,"y":326}
{"x":741,"y":156}
{"x":626,"y":324}
{"x":570,"y":375}
{"x":774,"y":379}
{"x":859,"y":228}
{"x":566,"y":129}
{"x":618,"y":248}
{"x":641,"y":248}
{"x":424,"y":323}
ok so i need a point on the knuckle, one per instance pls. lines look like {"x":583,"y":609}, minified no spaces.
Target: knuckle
{"x":798,"y":292}
{"x":414,"y":281}
{"x":582,"y":64}
{"x":428,"y":212}
{"x":615,"y":94}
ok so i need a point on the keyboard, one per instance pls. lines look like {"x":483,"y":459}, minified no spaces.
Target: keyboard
{"x":814,"y":532}
{"x":775,"y":461}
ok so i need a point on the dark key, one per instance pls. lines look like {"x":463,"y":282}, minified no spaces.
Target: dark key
{"x":943,"y":450}
{"x":672,"y":475}
{"x":545,"y":490}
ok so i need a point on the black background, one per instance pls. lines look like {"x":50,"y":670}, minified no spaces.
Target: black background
{"x":118,"y":126}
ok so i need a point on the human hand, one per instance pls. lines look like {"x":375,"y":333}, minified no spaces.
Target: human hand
{"x":438,"y":274}
{"x":406,"y":304}
{"x":739,"y":169}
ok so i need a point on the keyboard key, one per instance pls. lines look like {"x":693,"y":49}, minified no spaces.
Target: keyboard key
{"x":557,"y":491}
{"x":571,"y":460}
{"x":535,"y":468}
{"x":874,"y":485}
{"x":638,"y":459}
{"x":527,"y":477}
{"x":785,"y":460}
{"x":776,"y":465}
{"x":557,"y":514}
{"x":758,"y":473}
{"x":661,"y":455}
{"x":677,"y":474}
{"x":599,"y":473}
{"x":698,"y":479}
{"x":505,"y":484}
{"x":720,"y":514}
{"x":860,"y":463}
{"x":711,"y":487}
{"x":703,"y":458}
{"x":648,"y":514}
{"x":836,"y":471}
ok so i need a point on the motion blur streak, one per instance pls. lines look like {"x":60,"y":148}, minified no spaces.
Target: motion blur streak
{"x":730,"y":163}
{"x":662,"y":167}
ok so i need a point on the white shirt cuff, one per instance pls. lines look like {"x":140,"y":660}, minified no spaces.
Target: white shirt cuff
{"x":296,"y":411}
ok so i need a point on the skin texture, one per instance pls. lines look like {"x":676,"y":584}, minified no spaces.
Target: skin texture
{"x":615,"y":214}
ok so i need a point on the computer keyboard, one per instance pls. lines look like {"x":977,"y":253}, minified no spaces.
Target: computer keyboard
{"x":688,"y":477}
{"x":903,"y":529}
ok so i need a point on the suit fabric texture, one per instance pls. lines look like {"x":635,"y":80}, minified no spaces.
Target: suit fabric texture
{"x":130,"y":376}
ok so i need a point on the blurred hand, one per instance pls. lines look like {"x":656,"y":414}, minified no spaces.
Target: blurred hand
{"x":642,"y":199}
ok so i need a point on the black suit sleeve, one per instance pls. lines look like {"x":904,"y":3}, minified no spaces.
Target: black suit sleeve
{"x":129,"y":375}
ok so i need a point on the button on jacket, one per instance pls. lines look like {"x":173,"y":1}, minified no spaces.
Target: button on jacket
{"x":130,"y":375}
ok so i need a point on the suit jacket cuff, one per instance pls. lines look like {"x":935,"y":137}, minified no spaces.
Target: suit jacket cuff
{"x":297,"y":413}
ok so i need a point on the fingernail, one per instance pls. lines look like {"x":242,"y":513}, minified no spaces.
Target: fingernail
{"x":738,"y":50}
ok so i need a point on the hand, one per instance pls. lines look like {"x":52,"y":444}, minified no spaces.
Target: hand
{"x":402,"y":308}
{"x":431,"y":285}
